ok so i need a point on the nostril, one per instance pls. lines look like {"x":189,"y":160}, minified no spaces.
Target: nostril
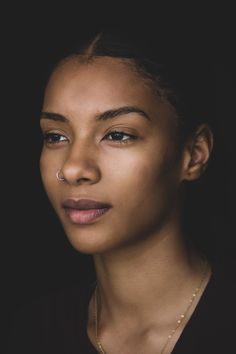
{"x":82,"y":179}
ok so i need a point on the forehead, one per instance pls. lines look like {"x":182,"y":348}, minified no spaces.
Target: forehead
{"x":104,"y":79}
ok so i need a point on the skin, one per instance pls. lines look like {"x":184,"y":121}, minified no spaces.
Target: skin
{"x":137,"y":246}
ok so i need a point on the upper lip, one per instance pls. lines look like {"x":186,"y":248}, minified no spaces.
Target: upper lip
{"x":84,"y":204}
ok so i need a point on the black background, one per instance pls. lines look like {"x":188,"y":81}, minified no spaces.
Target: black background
{"x":37,"y":257}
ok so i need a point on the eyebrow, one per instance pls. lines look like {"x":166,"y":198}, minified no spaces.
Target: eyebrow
{"x":109,"y":114}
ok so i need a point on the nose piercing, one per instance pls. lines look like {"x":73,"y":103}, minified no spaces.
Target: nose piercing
{"x":58,"y":177}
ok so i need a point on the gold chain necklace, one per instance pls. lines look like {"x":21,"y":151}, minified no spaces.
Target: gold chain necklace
{"x":178,"y":323}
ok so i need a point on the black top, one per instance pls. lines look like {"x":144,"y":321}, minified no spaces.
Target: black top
{"x":56,"y":323}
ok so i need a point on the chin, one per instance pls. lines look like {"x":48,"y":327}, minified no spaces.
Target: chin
{"x":87,"y":243}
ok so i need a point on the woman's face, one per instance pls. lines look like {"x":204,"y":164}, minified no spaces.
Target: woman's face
{"x":136,"y":171}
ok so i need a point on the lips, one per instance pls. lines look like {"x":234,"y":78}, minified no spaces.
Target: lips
{"x":84,"y":204}
{"x":84,"y":211}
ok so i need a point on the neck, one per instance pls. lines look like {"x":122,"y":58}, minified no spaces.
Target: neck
{"x":147,"y":277}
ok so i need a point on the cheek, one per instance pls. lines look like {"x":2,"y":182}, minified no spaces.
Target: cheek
{"x":140,"y":170}
{"x":145,"y":182}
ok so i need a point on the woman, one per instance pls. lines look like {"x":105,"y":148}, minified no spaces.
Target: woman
{"x":124,"y":132}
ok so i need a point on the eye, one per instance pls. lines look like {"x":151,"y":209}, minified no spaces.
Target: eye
{"x":120,"y":137}
{"x":53,"y":138}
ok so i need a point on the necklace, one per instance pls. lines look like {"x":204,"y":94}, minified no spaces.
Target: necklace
{"x":178,"y":323}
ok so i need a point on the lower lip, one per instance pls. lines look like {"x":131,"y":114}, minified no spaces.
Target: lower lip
{"x":85,"y":216}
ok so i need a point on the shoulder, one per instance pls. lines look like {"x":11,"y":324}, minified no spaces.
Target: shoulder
{"x":218,"y":304}
{"x":212,"y":326}
{"x":49,"y":322}
{"x":222,"y":287}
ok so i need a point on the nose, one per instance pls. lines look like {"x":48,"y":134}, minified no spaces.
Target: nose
{"x":81,"y":165}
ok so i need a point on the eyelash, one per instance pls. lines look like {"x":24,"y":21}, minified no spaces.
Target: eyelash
{"x":131,"y":137}
{"x":48,"y":136}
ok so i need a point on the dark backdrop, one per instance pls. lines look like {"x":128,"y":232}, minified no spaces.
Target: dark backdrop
{"x":37,"y":258}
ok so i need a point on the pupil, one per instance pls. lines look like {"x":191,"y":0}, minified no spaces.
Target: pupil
{"x":117,"y":135}
{"x":55,"y":137}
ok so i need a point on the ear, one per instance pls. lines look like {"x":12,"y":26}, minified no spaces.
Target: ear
{"x":196,"y":153}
